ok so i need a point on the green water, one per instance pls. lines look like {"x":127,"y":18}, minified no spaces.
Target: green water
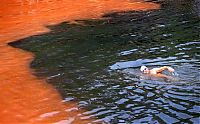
{"x":97,"y":62}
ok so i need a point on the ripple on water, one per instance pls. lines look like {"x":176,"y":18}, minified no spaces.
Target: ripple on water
{"x":166,"y":118}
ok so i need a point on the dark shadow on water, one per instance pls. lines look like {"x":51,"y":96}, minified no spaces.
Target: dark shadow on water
{"x":96,"y":62}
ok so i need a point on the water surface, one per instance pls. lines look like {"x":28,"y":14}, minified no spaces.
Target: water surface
{"x":96,"y":63}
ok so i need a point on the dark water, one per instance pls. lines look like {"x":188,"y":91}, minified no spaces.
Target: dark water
{"x":96,"y":62}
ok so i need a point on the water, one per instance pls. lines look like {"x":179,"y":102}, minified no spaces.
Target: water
{"x":24,"y":97}
{"x":96,"y":63}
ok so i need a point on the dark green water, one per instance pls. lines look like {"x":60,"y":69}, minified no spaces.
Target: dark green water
{"x":96,"y":63}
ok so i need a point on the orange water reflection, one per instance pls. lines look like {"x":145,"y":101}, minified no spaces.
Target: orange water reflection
{"x":24,"y":98}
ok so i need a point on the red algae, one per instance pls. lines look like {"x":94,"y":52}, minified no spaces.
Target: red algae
{"x":24,"y":97}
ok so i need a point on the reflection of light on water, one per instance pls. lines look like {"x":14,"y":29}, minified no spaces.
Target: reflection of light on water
{"x":128,"y":64}
{"x":149,"y":62}
{"x":123,"y":53}
{"x":175,"y":74}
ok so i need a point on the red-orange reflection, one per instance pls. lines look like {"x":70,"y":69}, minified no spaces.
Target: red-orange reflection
{"x":24,"y":98}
